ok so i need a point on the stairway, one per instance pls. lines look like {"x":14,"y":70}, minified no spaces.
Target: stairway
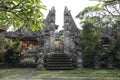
{"x":59,"y":61}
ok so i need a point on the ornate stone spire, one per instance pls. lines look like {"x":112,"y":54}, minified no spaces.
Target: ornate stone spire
{"x":69,"y":19}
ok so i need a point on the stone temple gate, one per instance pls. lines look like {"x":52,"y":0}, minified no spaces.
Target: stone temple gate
{"x":69,"y":55}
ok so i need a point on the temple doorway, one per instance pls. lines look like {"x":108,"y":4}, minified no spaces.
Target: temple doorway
{"x":58,"y":45}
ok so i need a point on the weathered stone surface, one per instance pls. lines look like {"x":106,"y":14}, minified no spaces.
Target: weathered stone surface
{"x":40,"y":61}
{"x":79,"y":60}
{"x":70,"y":37}
{"x":52,"y":37}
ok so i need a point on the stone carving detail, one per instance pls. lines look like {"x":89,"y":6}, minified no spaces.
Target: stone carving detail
{"x":79,"y":60}
{"x":40,"y":61}
{"x":52,"y":37}
{"x":70,"y":37}
{"x":66,"y":38}
{"x":49,"y":37}
{"x":49,"y":30}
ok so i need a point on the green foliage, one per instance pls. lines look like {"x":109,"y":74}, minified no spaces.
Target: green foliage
{"x":11,"y":56}
{"x":90,"y":41}
{"x":28,"y":61}
{"x":110,"y":7}
{"x":18,"y":13}
{"x":116,"y":53}
{"x":89,"y":11}
{"x":93,"y":26}
{"x":115,"y":50}
{"x":11,"y":51}
{"x":95,"y":20}
{"x":3,"y":43}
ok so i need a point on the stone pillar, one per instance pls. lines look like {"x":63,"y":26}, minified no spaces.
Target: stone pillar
{"x":40,"y":61}
{"x":72,"y":44}
{"x":70,"y":29}
{"x":79,"y":59}
{"x":46,"y":44}
{"x":39,"y":55}
{"x":66,"y":39}
{"x":42,"y":51}
{"x":52,"y":38}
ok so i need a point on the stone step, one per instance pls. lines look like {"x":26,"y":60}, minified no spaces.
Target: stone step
{"x":59,"y":65}
{"x":59,"y":68}
{"x":59,"y":51}
{"x":59,"y":62}
{"x":59,"y":57}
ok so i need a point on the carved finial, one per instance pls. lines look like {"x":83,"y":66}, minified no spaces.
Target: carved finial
{"x":66,"y":11}
{"x":66,"y":8}
{"x":53,"y":8}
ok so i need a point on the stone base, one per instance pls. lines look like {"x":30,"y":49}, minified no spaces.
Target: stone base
{"x":40,"y":66}
{"x":79,"y":63}
{"x":79,"y":66}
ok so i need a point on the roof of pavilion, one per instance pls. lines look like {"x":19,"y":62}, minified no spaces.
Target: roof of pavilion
{"x":24,"y":34}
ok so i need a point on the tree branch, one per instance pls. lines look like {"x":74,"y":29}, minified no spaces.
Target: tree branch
{"x":14,"y":7}
{"x":108,"y":11}
{"x":2,"y":2}
{"x":17,"y":15}
{"x":116,"y":9}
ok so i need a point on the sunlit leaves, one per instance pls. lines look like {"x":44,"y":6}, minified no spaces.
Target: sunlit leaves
{"x":22,"y":12}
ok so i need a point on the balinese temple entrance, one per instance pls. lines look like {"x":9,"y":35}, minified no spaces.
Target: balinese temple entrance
{"x":58,"y":45}
{"x":59,"y":60}
{"x":61,"y":54}
{"x":55,"y":53}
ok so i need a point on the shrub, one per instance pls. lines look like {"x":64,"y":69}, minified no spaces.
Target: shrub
{"x":12,"y":52}
{"x":27,"y":61}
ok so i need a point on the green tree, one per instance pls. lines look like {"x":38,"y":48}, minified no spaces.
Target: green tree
{"x":18,"y":13}
{"x":103,"y":15}
{"x":90,"y":41}
{"x":110,"y":7}
{"x":115,"y":49}
{"x":93,"y":25}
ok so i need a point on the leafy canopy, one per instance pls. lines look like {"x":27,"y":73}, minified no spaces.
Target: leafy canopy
{"x":97,"y":20}
{"x":18,"y":13}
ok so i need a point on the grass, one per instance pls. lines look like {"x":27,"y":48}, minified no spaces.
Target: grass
{"x":21,"y":73}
